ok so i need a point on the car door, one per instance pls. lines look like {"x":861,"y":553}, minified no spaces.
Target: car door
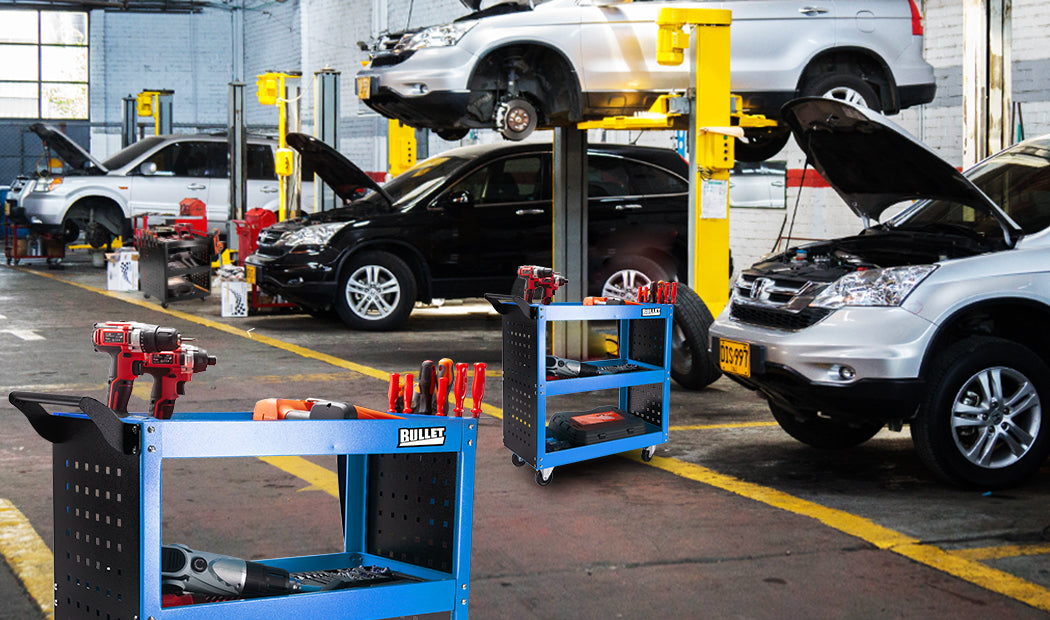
{"x":181,"y":172}
{"x":771,"y":41}
{"x":619,"y":50}
{"x":635,"y":208}
{"x":506,"y":223}
{"x":262,"y":180}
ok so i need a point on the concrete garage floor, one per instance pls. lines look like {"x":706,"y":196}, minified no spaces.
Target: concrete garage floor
{"x":732,"y":519}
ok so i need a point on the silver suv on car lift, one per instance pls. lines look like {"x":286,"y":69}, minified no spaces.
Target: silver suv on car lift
{"x":935,"y":318}
{"x":517,"y":66}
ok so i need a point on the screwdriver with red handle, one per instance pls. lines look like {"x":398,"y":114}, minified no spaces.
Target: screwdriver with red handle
{"x":459,"y":388}
{"x":407,"y":405}
{"x":477,"y":390}
{"x":394,"y":391}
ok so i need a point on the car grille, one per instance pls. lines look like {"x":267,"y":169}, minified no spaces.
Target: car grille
{"x":777,"y":319}
{"x":776,"y":303}
{"x":267,"y":244}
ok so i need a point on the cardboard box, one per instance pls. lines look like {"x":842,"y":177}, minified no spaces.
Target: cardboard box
{"x":234,"y":298}
{"x":122,"y":271}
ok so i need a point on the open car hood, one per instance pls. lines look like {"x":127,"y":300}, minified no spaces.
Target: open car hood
{"x":69,"y":151}
{"x":338,"y":172}
{"x":873,"y":164}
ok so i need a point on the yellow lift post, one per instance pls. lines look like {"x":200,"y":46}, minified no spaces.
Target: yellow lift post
{"x":713,"y":133}
{"x":271,"y":90}
{"x":401,"y":147}
{"x":156,"y":103}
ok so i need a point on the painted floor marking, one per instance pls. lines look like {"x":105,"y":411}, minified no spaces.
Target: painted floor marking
{"x":28,"y":556}
{"x":949,"y":562}
{"x":23,"y":334}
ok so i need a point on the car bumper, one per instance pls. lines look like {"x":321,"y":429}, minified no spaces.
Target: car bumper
{"x":304,"y":283}
{"x":436,"y":101}
{"x":839,"y":364}
{"x":42,"y":208}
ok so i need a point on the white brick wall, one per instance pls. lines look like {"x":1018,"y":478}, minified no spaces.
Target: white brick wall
{"x":132,"y":52}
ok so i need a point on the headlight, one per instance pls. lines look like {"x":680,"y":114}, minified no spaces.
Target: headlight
{"x":437,"y":36}
{"x":46,"y":185}
{"x":873,"y":287}
{"x":317,"y":235}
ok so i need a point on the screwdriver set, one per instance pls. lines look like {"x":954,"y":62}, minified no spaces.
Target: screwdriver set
{"x":442,"y":389}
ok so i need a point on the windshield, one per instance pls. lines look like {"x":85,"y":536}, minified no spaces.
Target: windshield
{"x":125,"y":156}
{"x":1018,"y":180}
{"x":407,"y":187}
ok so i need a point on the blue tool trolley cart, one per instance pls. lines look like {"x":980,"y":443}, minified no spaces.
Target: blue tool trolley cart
{"x":409,"y":503}
{"x":644,"y":333}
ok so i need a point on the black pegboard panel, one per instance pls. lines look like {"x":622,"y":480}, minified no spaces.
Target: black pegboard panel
{"x":646,"y":341}
{"x":411,"y":508}
{"x":520,"y":386}
{"x":646,"y":402}
{"x":96,"y":500}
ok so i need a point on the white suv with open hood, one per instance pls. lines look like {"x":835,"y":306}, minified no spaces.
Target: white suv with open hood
{"x":150,"y":176}
{"x":937,"y":318}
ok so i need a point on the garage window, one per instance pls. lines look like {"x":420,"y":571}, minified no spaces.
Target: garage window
{"x":45,"y":68}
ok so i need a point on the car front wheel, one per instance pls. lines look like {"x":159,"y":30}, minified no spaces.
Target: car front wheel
{"x":813,"y":430}
{"x":377,"y":292}
{"x":982,"y":422}
{"x":516,"y":119}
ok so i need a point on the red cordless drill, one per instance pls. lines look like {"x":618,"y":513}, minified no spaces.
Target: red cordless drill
{"x":129,"y":344}
{"x":171,"y":371}
{"x":537,"y":283}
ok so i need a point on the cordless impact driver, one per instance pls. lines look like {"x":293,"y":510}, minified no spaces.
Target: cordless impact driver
{"x":171,"y":370}
{"x":129,"y":344}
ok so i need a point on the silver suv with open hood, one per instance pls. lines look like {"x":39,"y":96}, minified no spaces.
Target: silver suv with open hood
{"x":936,"y":317}
{"x":151,"y":176}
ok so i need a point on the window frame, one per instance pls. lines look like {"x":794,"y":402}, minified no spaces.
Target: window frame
{"x":43,"y":102}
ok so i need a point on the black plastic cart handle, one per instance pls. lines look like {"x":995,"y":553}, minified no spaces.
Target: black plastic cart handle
{"x":505,"y":304}
{"x":121,"y":436}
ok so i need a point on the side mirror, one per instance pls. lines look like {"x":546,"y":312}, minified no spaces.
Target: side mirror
{"x":148,"y":168}
{"x":457,"y":202}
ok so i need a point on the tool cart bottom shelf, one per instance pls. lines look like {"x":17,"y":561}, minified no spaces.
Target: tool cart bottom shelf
{"x":561,"y":451}
{"x":418,"y":590}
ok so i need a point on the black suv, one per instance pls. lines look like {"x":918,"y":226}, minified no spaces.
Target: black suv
{"x":458,"y":225}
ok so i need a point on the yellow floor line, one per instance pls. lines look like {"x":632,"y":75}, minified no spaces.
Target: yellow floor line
{"x":708,"y":427}
{"x":318,"y":477}
{"x":1006,"y":551}
{"x":28,"y":556}
{"x":881,"y":537}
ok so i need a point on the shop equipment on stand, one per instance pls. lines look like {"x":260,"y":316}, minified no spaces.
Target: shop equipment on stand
{"x":641,"y":377}
{"x":176,"y":265}
{"x":408,"y":497}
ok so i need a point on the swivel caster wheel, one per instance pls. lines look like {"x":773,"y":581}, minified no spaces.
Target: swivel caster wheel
{"x":544,"y":476}
{"x":517,"y":460}
{"x":647,"y":453}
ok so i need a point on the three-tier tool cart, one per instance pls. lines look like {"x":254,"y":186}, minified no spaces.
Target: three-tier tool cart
{"x":637,"y":383}
{"x":408,"y":498}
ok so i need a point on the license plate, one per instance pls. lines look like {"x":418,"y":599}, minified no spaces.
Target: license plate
{"x":249,"y":274}
{"x":734,"y":357}
{"x":364,"y":86}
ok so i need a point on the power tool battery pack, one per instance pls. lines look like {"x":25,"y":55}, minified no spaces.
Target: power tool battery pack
{"x":583,"y":428}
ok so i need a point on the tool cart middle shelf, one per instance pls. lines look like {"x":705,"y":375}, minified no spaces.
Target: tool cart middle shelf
{"x":644,"y":333}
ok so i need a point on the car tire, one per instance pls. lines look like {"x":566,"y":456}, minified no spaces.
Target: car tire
{"x":97,"y":236}
{"x":982,"y":422}
{"x":691,"y":365}
{"x":516,"y":119}
{"x":376,"y":292}
{"x":762,"y":143}
{"x":70,"y":231}
{"x":452,"y":135}
{"x":623,"y":276}
{"x":826,"y":434}
{"x":844,"y":87}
